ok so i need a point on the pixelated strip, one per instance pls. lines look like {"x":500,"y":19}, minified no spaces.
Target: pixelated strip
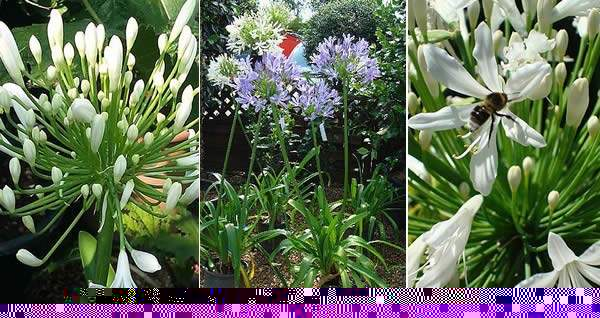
{"x":303,"y":310}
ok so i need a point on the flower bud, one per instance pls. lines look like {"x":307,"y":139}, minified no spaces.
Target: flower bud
{"x":160,"y":117}
{"x":132,"y":133}
{"x":148,"y":139}
{"x":69,"y":53}
{"x":562,"y":43}
{"x":105,"y":103}
{"x":553,"y":198}
{"x":131,"y":33}
{"x":174,"y":86}
{"x":28,"y":222}
{"x":51,"y":73}
{"x":57,"y":175}
{"x":80,"y":43}
{"x":82,"y":110}
{"x":14,"y":166}
{"x":135,"y":159}
{"x":560,"y":74}
{"x":593,"y":22}
{"x":85,"y":190}
{"x":425,"y":139}
{"x":24,"y":256}
{"x":577,"y":104}
{"x":130,"y":61}
{"x":101,"y":95}
{"x":528,"y":165}
{"x":85,"y":87}
{"x":8,"y":198}
{"x":55,"y":37}
{"x":114,"y":62}
{"x":419,"y":11}
{"x":173,"y":196}
{"x":119,"y":168}
{"x":100,"y":36}
{"x":413,"y":103}
{"x":191,"y":193}
{"x":127,"y":190}
{"x":29,"y":151}
{"x":543,"y":89}
{"x":473,"y":11}
{"x":429,"y":81}
{"x":464,"y":190}
{"x":514,"y":178}
{"x":167,"y":185}
{"x":97,"y":132}
{"x":544,"y":13}
{"x":181,"y":115}
{"x":43,"y":137}
{"x":499,"y":42}
{"x":97,"y":190}
{"x":186,"y":12}
{"x":593,"y":126}
{"x":162,"y":43}
{"x":9,"y":54}
{"x":36,"y":49}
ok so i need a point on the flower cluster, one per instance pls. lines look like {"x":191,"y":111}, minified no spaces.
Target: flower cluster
{"x":316,"y":100}
{"x":469,"y":78}
{"x":345,"y":59}
{"x":100,"y":139}
{"x":268,"y":81}
{"x":224,"y":69}
{"x":254,"y":32}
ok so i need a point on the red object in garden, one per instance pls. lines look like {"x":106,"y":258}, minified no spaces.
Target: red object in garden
{"x":289,"y":43}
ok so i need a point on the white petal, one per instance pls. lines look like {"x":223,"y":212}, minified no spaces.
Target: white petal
{"x":497,"y":18}
{"x":568,"y":8}
{"x":591,"y":256}
{"x":414,"y":253}
{"x":449,"y":117}
{"x":26,"y":257}
{"x":145,"y":261}
{"x":591,"y":273}
{"x":524,"y":82}
{"x":484,"y":164}
{"x":512,"y":13}
{"x":94,"y":285}
{"x":564,"y":281}
{"x":576,"y":279}
{"x":441,"y":231}
{"x":485,"y":57}
{"x":417,"y":167}
{"x":448,"y":71}
{"x":518,"y":130}
{"x":123,"y":277}
{"x":559,"y":252}
{"x":543,"y":280}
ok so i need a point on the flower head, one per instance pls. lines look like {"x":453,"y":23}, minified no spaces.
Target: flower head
{"x":267,"y":82}
{"x":254,"y":32}
{"x":315,"y":100}
{"x":224,"y":69}
{"x":522,"y":84}
{"x":345,"y":59}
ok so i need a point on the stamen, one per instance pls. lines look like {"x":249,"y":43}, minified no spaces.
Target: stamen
{"x":471,"y":147}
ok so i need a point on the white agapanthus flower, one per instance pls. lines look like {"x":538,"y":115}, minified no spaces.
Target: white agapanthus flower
{"x":224,"y":68}
{"x":523,"y":84}
{"x":570,"y":271}
{"x":254,"y":32}
{"x":450,"y":11}
{"x":443,"y":246}
{"x":123,"y":277}
{"x":520,"y":53}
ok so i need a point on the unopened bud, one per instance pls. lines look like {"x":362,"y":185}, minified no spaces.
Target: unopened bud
{"x":425,"y":139}
{"x":562,"y":43}
{"x":560,"y":74}
{"x":413,"y":103}
{"x":593,"y":126}
{"x":514,"y":178}
{"x":528,"y":165}
{"x":553,"y":198}
{"x":593,"y":22}
{"x":577,"y":104}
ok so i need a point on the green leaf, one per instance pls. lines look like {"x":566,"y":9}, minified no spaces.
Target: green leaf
{"x":87,"y":250}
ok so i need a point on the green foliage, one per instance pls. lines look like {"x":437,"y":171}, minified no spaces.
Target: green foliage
{"x":144,"y":226}
{"x":328,"y":248}
{"x":334,"y":18}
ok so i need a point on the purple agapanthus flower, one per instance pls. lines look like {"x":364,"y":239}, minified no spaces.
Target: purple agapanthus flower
{"x":340,"y":58}
{"x":315,"y":100}
{"x":267,"y":82}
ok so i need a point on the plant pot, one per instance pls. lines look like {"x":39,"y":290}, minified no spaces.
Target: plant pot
{"x":218,"y":280}
{"x":271,"y":244}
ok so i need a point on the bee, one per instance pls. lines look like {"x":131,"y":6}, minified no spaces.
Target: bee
{"x":492,"y":104}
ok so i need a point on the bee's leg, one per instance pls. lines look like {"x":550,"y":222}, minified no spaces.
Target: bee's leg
{"x":506,"y":116}
{"x":491,"y":129}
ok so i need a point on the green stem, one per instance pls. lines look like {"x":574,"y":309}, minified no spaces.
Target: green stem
{"x":230,"y":141}
{"x":346,"y":147}
{"x":91,"y":10}
{"x":318,"y":155}
{"x":104,"y":249}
